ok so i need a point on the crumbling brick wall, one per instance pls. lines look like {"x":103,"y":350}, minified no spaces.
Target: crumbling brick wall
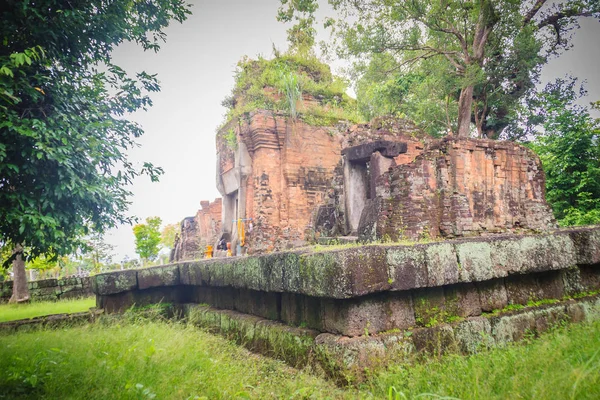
{"x":461,"y":187}
{"x":292,"y":168}
{"x":198,"y":232}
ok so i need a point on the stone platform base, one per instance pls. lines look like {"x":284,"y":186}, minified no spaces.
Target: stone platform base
{"x":50,"y":321}
{"x":345,"y":359}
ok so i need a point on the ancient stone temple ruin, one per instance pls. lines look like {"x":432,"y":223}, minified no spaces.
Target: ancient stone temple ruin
{"x":456,"y":248}
{"x":291,"y":183}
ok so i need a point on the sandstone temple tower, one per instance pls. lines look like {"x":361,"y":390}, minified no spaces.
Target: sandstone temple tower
{"x":294,"y":166}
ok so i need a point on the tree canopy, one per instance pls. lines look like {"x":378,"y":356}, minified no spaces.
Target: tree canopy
{"x":148,"y":238}
{"x":488,"y":54}
{"x":63,"y":135}
{"x":567,"y":139}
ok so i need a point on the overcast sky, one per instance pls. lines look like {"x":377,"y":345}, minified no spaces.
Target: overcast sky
{"x":195,"y":68}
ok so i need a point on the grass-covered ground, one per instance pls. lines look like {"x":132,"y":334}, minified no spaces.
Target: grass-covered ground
{"x":11,"y":312}
{"x":141,"y":359}
{"x":144,"y":360}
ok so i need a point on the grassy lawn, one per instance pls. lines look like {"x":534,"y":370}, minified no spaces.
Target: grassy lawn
{"x":11,"y":312}
{"x":144,"y":360}
{"x":163,"y":360}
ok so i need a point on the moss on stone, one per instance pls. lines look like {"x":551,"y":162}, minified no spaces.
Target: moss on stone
{"x":475,"y":260}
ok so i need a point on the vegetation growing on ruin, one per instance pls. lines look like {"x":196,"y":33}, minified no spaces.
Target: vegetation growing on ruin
{"x":278,"y":84}
{"x":145,"y":358}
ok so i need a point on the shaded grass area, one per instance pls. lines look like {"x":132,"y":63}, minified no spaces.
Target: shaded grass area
{"x":561,"y":364}
{"x":145,"y":360}
{"x":142,"y":359}
{"x":12,"y":312}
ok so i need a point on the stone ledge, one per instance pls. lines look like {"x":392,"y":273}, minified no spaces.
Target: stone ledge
{"x":50,"y":321}
{"x":345,"y":359}
{"x":358,"y":271}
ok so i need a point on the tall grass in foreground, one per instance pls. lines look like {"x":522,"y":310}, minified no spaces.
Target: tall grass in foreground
{"x":142,"y":359}
{"x":11,"y":312}
{"x":562,"y":364}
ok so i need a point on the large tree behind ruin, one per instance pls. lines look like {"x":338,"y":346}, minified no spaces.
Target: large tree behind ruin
{"x":494,"y":48}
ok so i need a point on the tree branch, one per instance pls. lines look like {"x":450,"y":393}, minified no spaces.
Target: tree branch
{"x":531,"y":13}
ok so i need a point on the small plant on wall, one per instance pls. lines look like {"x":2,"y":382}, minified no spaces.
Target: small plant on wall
{"x":231,"y":138}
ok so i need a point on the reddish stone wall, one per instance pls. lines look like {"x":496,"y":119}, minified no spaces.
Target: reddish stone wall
{"x":199,"y":231}
{"x":461,"y":187}
{"x":292,"y":168}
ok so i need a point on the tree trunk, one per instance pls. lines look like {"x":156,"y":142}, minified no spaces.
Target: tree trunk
{"x":20,"y":292}
{"x":465,"y":102}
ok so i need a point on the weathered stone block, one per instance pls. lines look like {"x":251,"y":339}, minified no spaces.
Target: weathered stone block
{"x":522,"y":288}
{"x":273,"y":266}
{"x":194,"y":312}
{"x":429,"y":305}
{"x":224,"y":297}
{"x":115,"y":282}
{"x":549,"y":317}
{"x":301,"y":310}
{"x":436,"y":340}
{"x":367,"y":269}
{"x":190,"y":273}
{"x":462,"y":300}
{"x":322,"y":275}
{"x":575,"y":312}
{"x":505,"y":256}
{"x":492,"y":295}
{"x":572,"y":281}
{"x":551,"y":285}
{"x":162,"y":294}
{"x":399,"y":311}
{"x":354,"y":317}
{"x":475,"y":261}
{"x":291,"y":272}
{"x":587,"y":245}
{"x":167,"y":275}
{"x":254,"y":277}
{"x":46,"y":283}
{"x":291,"y":308}
{"x":407,"y":267}
{"x":267,"y":305}
{"x":473,"y":335}
{"x":590,"y":277}
{"x":512,"y":328}
{"x":116,"y":302}
{"x":442,"y":265}
{"x":547,"y":252}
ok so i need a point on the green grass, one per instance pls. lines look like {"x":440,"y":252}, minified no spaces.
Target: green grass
{"x":143,"y":360}
{"x":11,"y":312}
{"x":562,"y":364}
{"x":137,"y":359}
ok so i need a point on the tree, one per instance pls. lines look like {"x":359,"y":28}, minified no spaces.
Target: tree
{"x":97,"y":253}
{"x":147,"y":238}
{"x":494,"y":49}
{"x":63,"y":138}
{"x":167,"y":235}
{"x":567,"y":139}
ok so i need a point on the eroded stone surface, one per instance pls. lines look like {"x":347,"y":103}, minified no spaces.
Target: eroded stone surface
{"x":115,"y":282}
{"x":167,"y":275}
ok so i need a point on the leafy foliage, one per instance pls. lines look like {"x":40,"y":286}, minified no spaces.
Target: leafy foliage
{"x":148,"y":238}
{"x":167,"y":235}
{"x":63,"y":138}
{"x":277,"y":85}
{"x":468,"y":62}
{"x":568,"y":143}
